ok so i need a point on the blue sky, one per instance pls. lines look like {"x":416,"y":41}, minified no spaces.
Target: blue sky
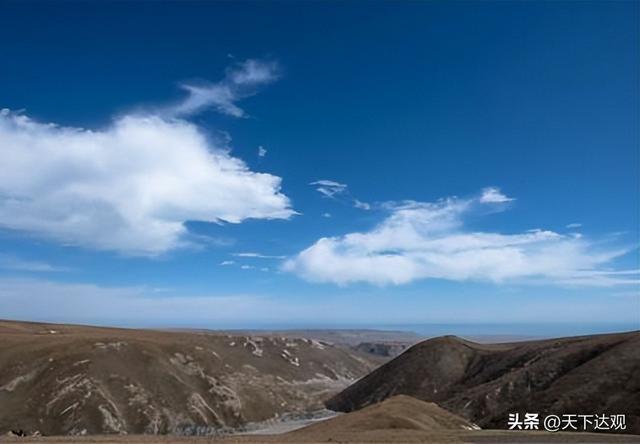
{"x":320,"y":164}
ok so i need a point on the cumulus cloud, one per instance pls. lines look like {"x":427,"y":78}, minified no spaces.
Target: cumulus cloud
{"x":493,"y":195}
{"x":129,"y":187}
{"x":242,"y":80}
{"x":420,"y":240}
{"x":329,"y":188}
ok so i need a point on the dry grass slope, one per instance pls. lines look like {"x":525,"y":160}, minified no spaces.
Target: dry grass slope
{"x":62,"y":379}
{"x":400,"y":419}
{"x":484,"y":383}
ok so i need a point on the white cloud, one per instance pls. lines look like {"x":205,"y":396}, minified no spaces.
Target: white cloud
{"x":201,"y":240}
{"x":329,"y":188}
{"x":575,"y":225}
{"x":241,"y":80}
{"x":246,"y":267}
{"x":428,"y":241}
{"x":128,"y":187}
{"x":9,"y":262}
{"x":361,"y":205}
{"x":258,"y":255}
{"x":333,"y":189}
{"x":326,"y":215}
{"x":262,"y":151}
{"x":227,"y":262}
{"x":493,"y":195}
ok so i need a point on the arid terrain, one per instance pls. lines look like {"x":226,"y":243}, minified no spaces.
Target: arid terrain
{"x":350,"y":337}
{"x":400,"y":419}
{"x":378,"y":345}
{"x":62,"y":379}
{"x":83,"y":384}
{"x":484,"y":383}
{"x":384,"y":344}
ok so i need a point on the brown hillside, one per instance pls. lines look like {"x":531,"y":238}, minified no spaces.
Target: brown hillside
{"x":396,"y":413}
{"x":484,"y":383}
{"x":62,"y":379}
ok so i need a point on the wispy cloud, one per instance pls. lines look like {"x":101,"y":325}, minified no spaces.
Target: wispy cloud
{"x":143,"y":306}
{"x":262,"y":151}
{"x":13,"y":263}
{"x":574,"y":225}
{"x":242,"y":80}
{"x":258,"y":255}
{"x":227,"y":263}
{"x":41,"y":300}
{"x":361,"y":205}
{"x":421,"y":240}
{"x":130,"y":187}
{"x":494,"y":195}
{"x":329,"y":188}
{"x":340,"y":191}
{"x":213,"y":241}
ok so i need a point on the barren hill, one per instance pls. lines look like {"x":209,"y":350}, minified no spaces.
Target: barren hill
{"x":399,"y":419}
{"x":62,"y":379}
{"x":484,"y":383}
{"x":392,"y":415}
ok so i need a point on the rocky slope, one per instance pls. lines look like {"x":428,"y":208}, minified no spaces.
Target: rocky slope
{"x":484,"y":383}
{"x":61,"y":379}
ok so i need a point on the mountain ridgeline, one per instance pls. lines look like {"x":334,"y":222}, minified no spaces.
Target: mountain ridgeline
{"x":75,"y":380}
{"x":483,"y":383}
